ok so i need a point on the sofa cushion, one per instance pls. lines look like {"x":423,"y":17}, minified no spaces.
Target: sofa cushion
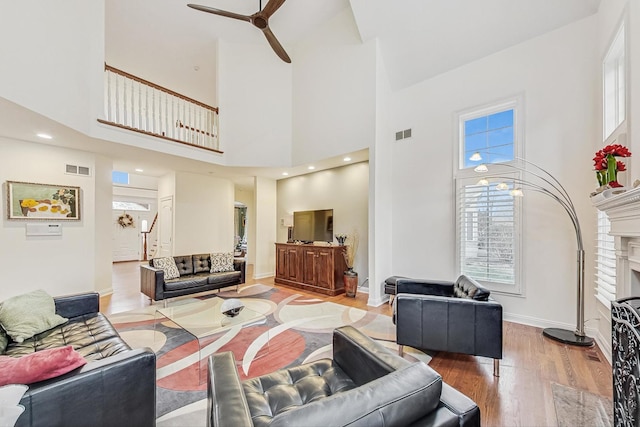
{"x":201,"y":263}
{"x":185,"y":282}
{"x":184,"y":264}
{"x":467,"y":287}
{"x":39,"y":366}
{"x":168,"y":265}
{"x":221,"y":262}
{"x":28,"y":314}
{"x":92,"y":335}
{"x":275,"y":393}
{"x":225,"y":277}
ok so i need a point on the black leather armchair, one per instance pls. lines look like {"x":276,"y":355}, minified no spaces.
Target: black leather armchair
{"x":363,"y":385}
{"x":457,"y":317}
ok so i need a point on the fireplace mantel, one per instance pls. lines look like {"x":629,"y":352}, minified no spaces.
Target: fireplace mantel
{"x":623,"y":210}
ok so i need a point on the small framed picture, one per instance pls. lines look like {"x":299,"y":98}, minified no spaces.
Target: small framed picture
{"x":31,"y":201}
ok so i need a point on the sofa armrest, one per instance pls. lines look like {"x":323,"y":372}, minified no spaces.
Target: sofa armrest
{"x":361,"y":358}
{"x":152,"y":282}
{"x":424,"y":287}
{"x":397,"y":399}
{"x":240,"y":264}
{"x":226,"y":402}
{"x":458,"y":325}
{"x":460,"y":405}
{"x":78,"y":304}
{"x":116,"y":390}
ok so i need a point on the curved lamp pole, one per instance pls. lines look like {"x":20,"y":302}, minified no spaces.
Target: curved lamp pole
{"x":552,"y":188}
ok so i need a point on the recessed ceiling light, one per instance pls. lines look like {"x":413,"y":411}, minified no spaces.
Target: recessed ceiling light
{"x":139,"y":170}
{"x":285,"y":173}
{"x":311,"y":168}
{"x":44,"y":136}
{"x":347,"y":159}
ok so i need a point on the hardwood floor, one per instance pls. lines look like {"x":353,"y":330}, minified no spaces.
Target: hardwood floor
{"x":521,"y":396}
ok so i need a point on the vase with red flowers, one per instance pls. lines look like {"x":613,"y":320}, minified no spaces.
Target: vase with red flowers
{"x":607,"y":165}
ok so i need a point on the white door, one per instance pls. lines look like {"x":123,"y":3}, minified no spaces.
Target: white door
{"x":165,"y":222}
{"x":126,"y":240}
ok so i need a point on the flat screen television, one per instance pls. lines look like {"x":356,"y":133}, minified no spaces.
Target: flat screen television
{"x":313,"y":226}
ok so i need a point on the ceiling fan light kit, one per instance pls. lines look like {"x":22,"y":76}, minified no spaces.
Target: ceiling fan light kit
{"x":260,"y":20}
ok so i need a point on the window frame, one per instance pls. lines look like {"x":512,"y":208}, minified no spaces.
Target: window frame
{"x":605,"y":277}
{"x":465,"y":176}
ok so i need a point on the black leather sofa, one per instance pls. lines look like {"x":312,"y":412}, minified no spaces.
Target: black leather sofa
{"x":363,"y":385}
{"x":195,"y":277}
{"x":117,"y":386}
{"x":457,"y":317}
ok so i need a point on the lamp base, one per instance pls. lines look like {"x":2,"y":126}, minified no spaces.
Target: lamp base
{"x":567,"y":337}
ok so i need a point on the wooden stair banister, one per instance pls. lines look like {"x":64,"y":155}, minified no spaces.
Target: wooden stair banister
{"x":144,"y":235}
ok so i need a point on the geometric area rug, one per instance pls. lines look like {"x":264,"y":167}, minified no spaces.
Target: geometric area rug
{"x":299,"y":330}
{"x":581,"y":408}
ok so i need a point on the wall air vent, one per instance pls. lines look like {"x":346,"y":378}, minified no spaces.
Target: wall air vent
{"x":78,"y":170}
{"x":403,"y":134}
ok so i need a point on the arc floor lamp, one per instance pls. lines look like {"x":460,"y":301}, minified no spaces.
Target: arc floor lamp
{"x":542,"y":181}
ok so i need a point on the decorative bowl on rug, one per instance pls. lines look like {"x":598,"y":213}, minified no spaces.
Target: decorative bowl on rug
{"x":231,"y":307}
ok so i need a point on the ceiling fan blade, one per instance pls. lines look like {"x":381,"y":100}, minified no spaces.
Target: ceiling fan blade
{"x":271,"y":7}
{"x":275,"y":44}
{"x":220,"y":12}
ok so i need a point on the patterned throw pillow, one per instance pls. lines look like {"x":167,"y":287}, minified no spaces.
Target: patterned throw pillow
{"x":168,"y":265}
{"x":221,"y":262}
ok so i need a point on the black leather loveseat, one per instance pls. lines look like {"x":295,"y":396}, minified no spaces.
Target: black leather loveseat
{"x":117,"y":386}
{"x":364,"y":385}
{"x":195,"y":276}
{"x":456,"y":317}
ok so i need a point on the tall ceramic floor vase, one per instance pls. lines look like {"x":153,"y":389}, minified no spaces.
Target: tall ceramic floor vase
{"x":350,"y":278}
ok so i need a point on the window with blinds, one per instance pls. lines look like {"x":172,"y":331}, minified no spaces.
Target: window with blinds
{"x":487,"y":244}
{"x":605,"y":262}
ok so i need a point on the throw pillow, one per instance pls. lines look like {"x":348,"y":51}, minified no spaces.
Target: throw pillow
{"x":168,"y":265}
{"x":39,"y":366}
{"x":26,"y":315}
{"x":221,"y":262}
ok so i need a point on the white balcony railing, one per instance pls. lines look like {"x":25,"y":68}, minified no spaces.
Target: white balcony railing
{"x":139,"y":105}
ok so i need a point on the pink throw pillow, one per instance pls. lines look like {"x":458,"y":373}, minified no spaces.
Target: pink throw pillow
{"x":39,"y":366}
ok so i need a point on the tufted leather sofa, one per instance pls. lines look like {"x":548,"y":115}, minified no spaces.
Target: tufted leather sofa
{"x":457,"y":317}
{"x":115,"y":388}
{"x":363,"y":385}
{"x":195,"y":276}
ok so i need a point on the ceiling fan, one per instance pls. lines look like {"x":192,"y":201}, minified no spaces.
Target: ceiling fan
{"x":260,"y":19}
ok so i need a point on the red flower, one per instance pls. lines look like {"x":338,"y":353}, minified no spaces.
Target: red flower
{"x":621,"y":167}
{"x":616,"y":150}
{"x":600,"y":161}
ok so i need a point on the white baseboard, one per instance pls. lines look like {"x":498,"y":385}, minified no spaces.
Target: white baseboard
{"x":105,"y":292}
{"x":605,"y":345}
{"x":263,"y":275}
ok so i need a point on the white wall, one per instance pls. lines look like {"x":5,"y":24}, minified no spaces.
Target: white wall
{"x":254,"y":91}
{"x":345,"y":190}
{"x":54,"y":51}
{"x":265,"y":194}
{"x":334,"y":92}
{"x":203,"y":214}
{"x":557,"y":74}
{"x":65,"y":264}
{"x":381,"y":190}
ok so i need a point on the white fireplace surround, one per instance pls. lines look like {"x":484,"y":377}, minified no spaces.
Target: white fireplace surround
{"x":623,"y":210}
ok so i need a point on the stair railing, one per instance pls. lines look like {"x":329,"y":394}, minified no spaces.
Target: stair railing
{"x":142,"y":106}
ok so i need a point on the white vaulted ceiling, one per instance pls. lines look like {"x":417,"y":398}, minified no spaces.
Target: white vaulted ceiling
{"x":418,"y":39}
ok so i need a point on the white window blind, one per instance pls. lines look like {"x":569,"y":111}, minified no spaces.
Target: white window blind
{"x":605,"y":262}
{"x":486,"y":226}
